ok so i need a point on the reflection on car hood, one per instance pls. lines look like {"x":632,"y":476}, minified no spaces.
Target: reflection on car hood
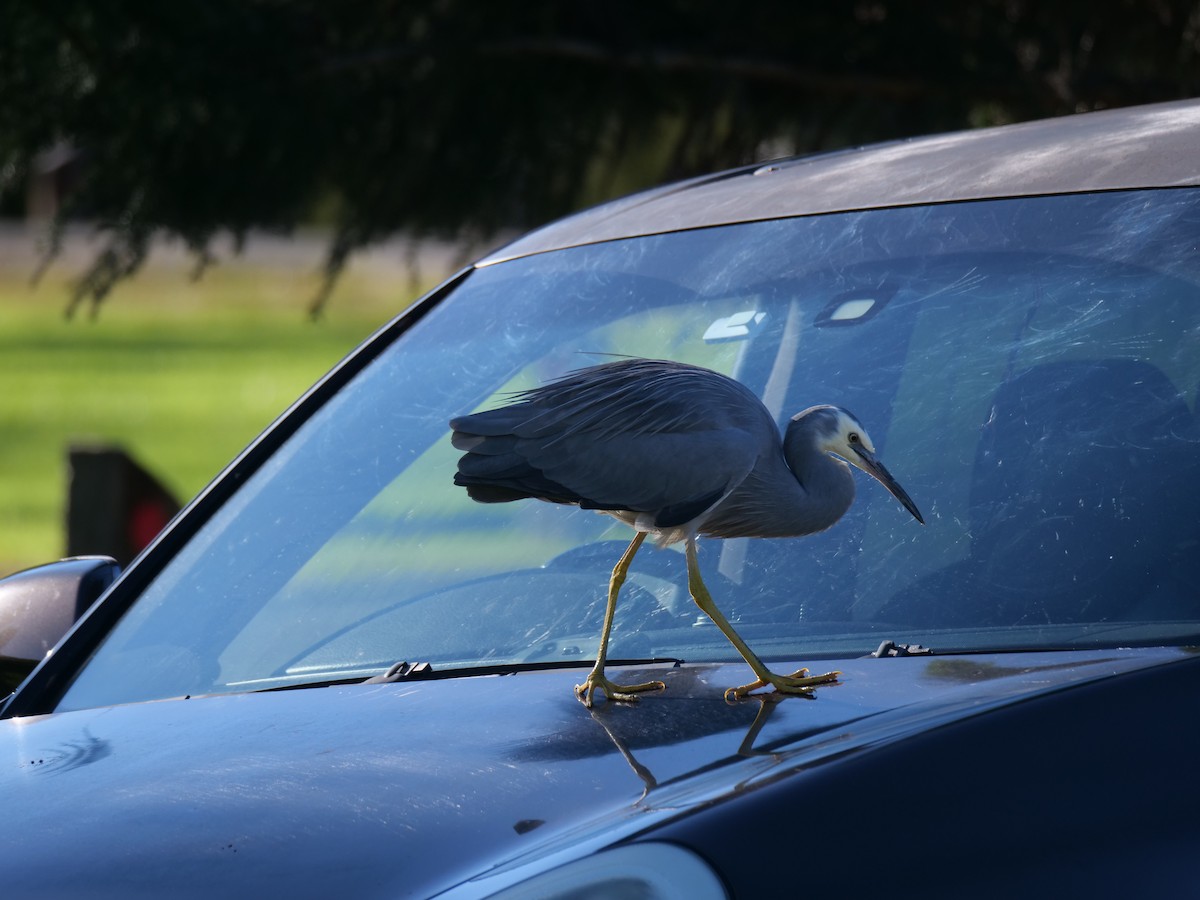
{"x":402,"y":790}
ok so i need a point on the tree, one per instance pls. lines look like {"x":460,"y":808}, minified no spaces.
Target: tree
{"x":198,"y":117}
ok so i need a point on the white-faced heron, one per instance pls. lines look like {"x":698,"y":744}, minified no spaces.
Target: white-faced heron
{"x":676,"y":451}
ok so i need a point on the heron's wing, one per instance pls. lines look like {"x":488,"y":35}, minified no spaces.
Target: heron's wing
{"x":643,"y":435}
{"x":638,"y":396}
{"x":674,"y":476}
{"x":631,"y":396}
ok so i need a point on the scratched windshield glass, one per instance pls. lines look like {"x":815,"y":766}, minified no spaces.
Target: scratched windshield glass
{"x":1027,"y":368}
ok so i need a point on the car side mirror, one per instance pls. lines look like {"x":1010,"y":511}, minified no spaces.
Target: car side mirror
{"x":39,"y":605}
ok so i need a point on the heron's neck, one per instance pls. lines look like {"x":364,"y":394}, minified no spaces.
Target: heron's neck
{"x":825,"y":483}
{"x":799,"y":491}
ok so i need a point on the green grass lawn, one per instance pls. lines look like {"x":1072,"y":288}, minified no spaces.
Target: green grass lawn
{"x":181,"y":374}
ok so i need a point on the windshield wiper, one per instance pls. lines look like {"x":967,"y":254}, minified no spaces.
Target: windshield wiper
{"x":891,"y":648}
{"x":423,"y":671}
{"x":401,"y":671}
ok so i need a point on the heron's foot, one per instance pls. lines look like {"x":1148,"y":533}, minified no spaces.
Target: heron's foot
{"x":626,"y":692}
{"x":799,"y":682}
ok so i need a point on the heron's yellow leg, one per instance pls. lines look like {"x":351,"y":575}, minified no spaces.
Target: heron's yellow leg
{"x":596,"y":677}
{"x":799,"y":682}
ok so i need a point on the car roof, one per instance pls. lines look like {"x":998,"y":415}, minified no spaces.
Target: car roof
{"x":1135,"y":147}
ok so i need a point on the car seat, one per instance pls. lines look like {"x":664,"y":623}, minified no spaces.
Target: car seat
{"x":1082,"y":505}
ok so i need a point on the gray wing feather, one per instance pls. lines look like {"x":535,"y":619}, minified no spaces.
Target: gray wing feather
{"x":635,"y":396}
{"x":644,"y":472}
{"x":643,"y":435}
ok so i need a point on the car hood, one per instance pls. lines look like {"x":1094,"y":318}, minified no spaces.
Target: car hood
{"x":410,"y":789}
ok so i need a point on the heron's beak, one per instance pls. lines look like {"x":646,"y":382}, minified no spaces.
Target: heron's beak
{"x":873,"y":467}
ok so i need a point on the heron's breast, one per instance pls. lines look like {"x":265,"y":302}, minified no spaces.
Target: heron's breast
{"x":774,"y":504}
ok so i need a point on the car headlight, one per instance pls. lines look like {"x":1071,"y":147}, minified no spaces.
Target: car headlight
{"x":646,"y":871}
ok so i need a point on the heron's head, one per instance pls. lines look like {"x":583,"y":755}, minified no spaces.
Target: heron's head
{"x":838,"y":431}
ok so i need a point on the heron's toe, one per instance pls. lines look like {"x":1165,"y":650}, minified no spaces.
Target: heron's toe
{"x":799,"y":683}
{"x":801,"y":680}
{"x":623,"y":692}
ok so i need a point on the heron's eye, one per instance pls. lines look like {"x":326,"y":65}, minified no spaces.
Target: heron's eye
{"x":852,"y":437}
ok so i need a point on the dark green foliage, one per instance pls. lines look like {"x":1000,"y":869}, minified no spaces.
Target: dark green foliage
{"x":445,"y":116}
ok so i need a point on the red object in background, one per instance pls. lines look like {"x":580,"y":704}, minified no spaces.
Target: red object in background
{"x":146,"y":520}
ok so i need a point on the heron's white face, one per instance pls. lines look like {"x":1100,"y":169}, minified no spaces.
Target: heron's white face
{"x":848,"y":439}
{"x":842,"y":434}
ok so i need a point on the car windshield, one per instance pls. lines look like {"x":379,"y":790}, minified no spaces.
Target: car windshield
{"x":1028,"y":369}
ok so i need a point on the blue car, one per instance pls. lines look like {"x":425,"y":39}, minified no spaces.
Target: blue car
{"x":335,"y":674}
